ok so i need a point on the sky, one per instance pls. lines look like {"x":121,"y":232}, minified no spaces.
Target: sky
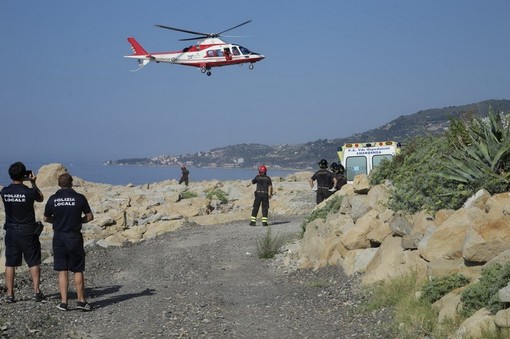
{"x":332,"y":69}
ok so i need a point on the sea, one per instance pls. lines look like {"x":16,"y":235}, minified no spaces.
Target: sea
{"x":138,"y":175}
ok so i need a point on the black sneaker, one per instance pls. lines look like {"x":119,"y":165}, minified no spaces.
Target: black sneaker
{"x":9,"y":299}
{"x":38,"y":297}
{"x":84,"y":306}
{"x":252,"y":223}
{"x":62,"y":306}
{"x":265,"y":224}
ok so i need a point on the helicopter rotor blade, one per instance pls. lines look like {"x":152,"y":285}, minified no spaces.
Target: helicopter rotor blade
{"x":195,"y":38}
{"x":244,"y":23}
{"x":201,"y":35}
{"x":182,"y":30}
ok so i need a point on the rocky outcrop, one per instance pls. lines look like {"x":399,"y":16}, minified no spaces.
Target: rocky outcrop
{"x":130,"y":214}
{"x":364,"y":236}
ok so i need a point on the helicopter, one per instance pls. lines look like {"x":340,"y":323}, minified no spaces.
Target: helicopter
{"x":210,"y":51}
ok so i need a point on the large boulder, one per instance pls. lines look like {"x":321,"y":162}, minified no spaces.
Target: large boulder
{"x":447,"y":240}
{"x":322,"y":240}
{"x":392,"y":261}
{"x":47,"y":176}
{"x":356,"y":235}
{"x":475,"y":326}
{"x":359,"y":205}
{"x":361,"y":184}
{"x":486,"y":238}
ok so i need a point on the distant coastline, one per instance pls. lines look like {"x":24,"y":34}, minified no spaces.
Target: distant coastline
{"x":305,"y":156}
{"x":140,"y":174}
{"x":226,"y":167}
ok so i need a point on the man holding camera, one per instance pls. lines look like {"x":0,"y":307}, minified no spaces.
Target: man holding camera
{"x":21,"y":238}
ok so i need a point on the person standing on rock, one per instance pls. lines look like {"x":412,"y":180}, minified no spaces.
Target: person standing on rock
{"x":263,"y":193}
{"x":21,"y":238}
{"x":67,"y":210}
{"x":184,"y":176}
{"x":325,"y":181}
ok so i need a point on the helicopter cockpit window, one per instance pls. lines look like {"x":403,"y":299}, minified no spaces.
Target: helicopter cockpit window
{"x":211,"y":53}
{"x":244,"y":50}
{"x":235,"y":50}
{"x":219,"y":52}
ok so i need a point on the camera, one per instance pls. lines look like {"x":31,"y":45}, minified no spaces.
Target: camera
{"x":27,"y":174}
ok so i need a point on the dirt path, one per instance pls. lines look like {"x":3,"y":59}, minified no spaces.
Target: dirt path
{"x":199,"y":281}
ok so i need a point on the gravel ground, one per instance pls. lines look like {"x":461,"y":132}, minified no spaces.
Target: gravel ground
{"x":198,"y":282}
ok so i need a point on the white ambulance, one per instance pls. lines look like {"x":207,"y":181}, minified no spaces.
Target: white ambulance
{"x":361,"y":158}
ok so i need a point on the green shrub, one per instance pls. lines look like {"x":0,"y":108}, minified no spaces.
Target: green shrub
{"x":188,"y":195}
{"x":484,"y":293}
{"x":438,"y":287}
{"x":268,"y":245}
{"x":436,"y":172}
{"x":480,"y":156}
{"x":217,"y":194}
{"x":415,"y":184}
{"x":332,"y":205}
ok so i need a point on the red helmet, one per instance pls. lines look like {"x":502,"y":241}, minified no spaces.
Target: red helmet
{"x":262,"y":169}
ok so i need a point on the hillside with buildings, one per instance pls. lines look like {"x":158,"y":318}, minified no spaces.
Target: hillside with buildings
{"x":304,"y":156}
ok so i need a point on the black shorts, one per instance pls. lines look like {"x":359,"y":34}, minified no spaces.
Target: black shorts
{"x":18,"y":244}
{"x":68,"y":252}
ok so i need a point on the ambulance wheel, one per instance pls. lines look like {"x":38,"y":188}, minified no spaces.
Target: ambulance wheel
{"x":203,"y":69}
{"x":208,"y":73}
{"x":251,"y":66}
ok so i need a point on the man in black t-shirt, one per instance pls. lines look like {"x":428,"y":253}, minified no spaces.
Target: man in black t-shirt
{"x":67,"y":210}
{"x":339,"y":172}
{"x":21,"y":238}
{"x":325,"y":181}
{"x":263,"y":193}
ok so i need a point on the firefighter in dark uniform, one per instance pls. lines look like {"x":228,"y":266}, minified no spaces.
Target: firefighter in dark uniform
{"x":325,"y":181}
{"x":263,"y":193}
{"x":339,"y":172}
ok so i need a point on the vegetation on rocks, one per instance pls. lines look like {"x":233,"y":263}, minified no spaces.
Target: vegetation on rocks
{"x":481,"y":157}
{"x":188,"y":195}
{"x":416,"y":317}
{"x":441,"y":172}
{"x":484,"y":293}
{"x":332,"y":205}
{"x":414,"y":186}
{"x":438,"y":287}
{"x":217,"y":194}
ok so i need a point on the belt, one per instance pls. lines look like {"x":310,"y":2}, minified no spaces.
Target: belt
{"x":261,"y":192}
{"x":326,"y":188}
{"x":17,"y":226}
